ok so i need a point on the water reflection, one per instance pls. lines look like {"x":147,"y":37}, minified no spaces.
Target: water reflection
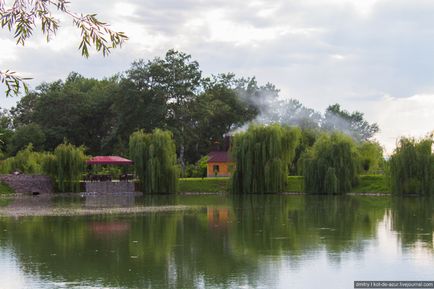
{"x":255,"y":241}
{"x":412,"y":218}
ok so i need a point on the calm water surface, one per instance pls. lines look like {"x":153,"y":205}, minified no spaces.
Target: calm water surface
{"x":251,"y":242}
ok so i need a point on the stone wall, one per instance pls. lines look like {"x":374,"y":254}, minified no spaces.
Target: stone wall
{"x":28,"y":184}
{"x":109,"y":187}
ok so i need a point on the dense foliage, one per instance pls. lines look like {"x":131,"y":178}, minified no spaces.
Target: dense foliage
{"x":370,"y":154}
{"x":331,"y":167}
{"x":25,"y":161}
{"x":169,"y":93}
{"x":352,"y":124}
{"x":411,"y":167}
{"x":262,"y":156}
{"x":154,"y":159}
{"x":66,"y":166}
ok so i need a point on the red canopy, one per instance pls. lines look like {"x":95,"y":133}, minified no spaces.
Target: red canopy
{"x":109,"y":160}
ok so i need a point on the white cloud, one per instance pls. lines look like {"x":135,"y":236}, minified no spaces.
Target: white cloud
{"x":411,"y":116}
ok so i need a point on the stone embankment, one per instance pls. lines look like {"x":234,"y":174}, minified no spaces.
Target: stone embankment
{"x":28,"y":184}
{"x":110,"y":187}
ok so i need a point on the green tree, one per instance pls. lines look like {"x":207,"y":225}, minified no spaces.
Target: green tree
{"x":308,"y":138}
{"x":26,"y":161}
{"x":370,"y":157}
{"x":176,"y":78}
{"x":154,"y":157}
{"x":66,"y":166}
{"x":331,"y":167}
{"x":24,"y":135}
{"x":262,"y":155}
{"x":216,"y":112}
{"x":22,"y":16}
{"x":136,"y":105}
{"x":5,"y":129}
{"x":78,"y":109}
{"x":353,"y":124}
{"x":292,"y":112}
{"x":411,"y":167}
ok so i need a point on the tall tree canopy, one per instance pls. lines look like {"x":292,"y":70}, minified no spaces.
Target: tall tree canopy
{"x":172,"y":84}
{"x":353,"y":124}
{"x":78,"y":109}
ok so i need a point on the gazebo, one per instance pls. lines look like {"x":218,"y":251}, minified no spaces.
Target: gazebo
{"x":104,"y":183}
{"x":109,"y":160}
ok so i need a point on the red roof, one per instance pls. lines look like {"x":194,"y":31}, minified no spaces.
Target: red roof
{"x":109,"y":160}
{"x":219,"y":157}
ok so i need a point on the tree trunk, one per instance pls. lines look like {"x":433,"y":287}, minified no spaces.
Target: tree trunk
{"x":181,"y":159}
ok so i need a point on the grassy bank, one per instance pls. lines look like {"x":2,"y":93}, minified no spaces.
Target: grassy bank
{"x":367,"y":184}
{"x":5,"y":189}
{"x":203,"y":185}
{"x":371,"y":184}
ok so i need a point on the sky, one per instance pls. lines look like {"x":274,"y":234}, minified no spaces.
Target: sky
{"x":373,"y":56}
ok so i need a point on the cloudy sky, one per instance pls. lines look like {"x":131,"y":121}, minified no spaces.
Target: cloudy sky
{"x":375,"y":56}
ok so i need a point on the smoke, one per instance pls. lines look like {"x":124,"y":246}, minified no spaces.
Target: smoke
{"x":274,"y":109}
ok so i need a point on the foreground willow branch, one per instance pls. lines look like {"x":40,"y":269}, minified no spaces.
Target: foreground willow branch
{"x":23,"y":16}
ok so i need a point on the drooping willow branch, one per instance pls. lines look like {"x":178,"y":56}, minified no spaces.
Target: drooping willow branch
{"x":14,"y":83}
{"x":23,"y":16}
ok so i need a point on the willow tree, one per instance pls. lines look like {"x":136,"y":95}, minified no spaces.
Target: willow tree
{"x":154,"y":156}
{"x":262,"y":155}
{"x":66,"y":165}
{"x":26,"y":161}
{"x":331,"y":165}
{"x":411,"y":167}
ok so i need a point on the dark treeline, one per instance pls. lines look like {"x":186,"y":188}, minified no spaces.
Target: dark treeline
{"x":169,"y":93}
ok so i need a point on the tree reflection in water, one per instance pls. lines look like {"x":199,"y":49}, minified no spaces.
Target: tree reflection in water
{"x":219,"y":245}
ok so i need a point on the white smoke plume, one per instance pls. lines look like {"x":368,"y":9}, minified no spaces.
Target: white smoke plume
{"x":275,"y":109}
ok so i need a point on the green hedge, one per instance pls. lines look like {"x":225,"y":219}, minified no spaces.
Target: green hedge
{"x":367,"y":184}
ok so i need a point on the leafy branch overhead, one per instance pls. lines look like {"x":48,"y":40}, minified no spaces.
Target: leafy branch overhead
{"x":23,"y":16}
{"x":13,"y":82}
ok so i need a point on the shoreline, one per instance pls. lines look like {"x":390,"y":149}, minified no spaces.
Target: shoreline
{"x":65,"y":212}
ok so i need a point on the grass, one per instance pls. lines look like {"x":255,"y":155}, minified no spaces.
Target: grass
{"x":367,"y":184}
{"x":205,"y":185}
{"x":218,"y":185}
{"x":371,"y":184}
{"x":5,"y":189}
{"x":295,"y":184}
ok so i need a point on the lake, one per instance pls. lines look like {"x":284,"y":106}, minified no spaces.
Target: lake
{"x":216,"y":241}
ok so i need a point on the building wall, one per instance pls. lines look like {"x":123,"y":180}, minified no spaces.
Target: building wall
{"x":224,"y":169}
